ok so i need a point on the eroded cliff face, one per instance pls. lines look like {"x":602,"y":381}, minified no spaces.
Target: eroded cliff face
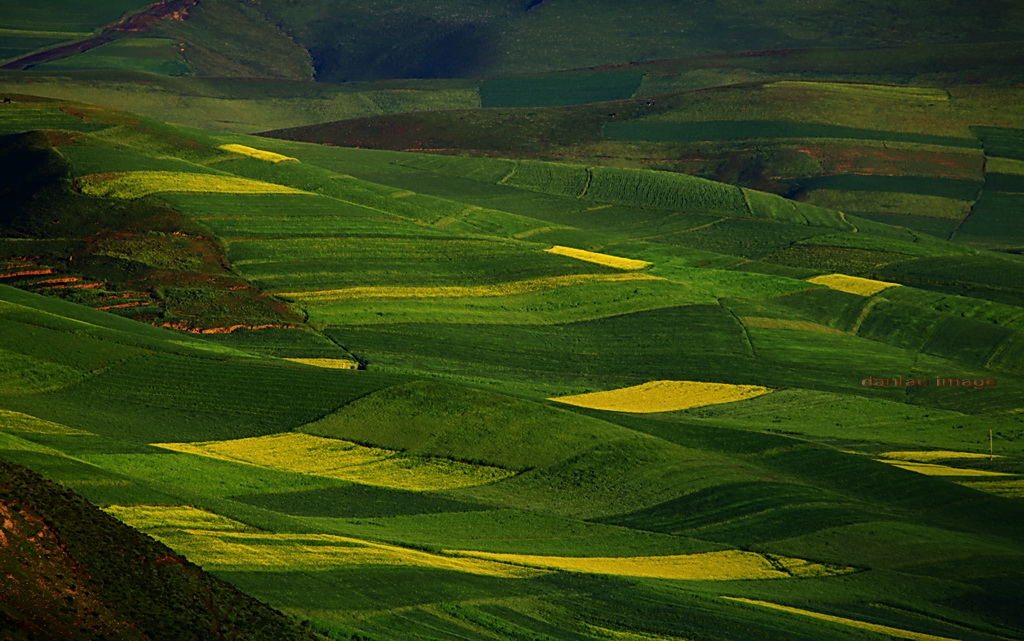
{"x":44,"y":592}
{"x":69,"y":572}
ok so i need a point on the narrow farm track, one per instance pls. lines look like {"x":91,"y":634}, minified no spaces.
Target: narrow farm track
{"x":133,"y":23}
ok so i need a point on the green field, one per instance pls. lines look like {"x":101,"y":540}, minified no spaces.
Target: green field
{"x":749,"y":129}
{"x":558,"y":90}
{"x":336,"y":377}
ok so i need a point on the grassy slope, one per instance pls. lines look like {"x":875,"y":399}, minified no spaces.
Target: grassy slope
{"x":607,"y":469}
{"x":515,"y":37}
{"x":920,"y":164}
{"x":600,"y":484}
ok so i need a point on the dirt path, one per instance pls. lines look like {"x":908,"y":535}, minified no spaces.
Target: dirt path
{"x":138,"y":22}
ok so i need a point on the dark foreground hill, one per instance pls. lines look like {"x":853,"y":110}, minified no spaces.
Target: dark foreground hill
{"x":72,"y":572}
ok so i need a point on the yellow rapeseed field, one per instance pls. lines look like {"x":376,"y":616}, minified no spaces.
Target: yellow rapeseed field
{"x":473,"y":291}
{"x":932,"y":455}
{"x":852,"y":284}
{"x":601,"y":259}
{"x":268,"y":551}
{"x":338,"y":459}
{"x":723,"y":565}
{"x":783,"y":323}
{"x":136,"y":184}
{"x":664,"y":396}
{"x":148,"y":517}
{"x":258,"y":154}
{"x":931,"y":469}
{"x":329,"y":363}
{"x":1011,"y":488}
{"x":18,"y":422}
{"x":864,"y":625}
{"x":622,"y":635}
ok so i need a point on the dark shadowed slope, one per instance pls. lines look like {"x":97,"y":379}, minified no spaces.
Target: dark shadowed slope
{"x":72,"y":572}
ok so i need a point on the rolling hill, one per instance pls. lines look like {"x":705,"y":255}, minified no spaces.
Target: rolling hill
{"x":440,"y":397}
{"x":539,"y":320}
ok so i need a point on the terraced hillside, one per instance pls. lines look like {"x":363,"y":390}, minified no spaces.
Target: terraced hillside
{"x":939,"y":160}
{"x":473,"y":398}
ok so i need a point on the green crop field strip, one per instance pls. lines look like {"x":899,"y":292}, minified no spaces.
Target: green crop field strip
{"x":558,"y":90}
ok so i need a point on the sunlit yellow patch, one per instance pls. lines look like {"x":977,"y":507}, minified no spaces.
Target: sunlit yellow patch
{"x":864,"y":625}
{"x":868,"y":90}
{"x":266,"y":551}
{"x":933,"y":455}
{"x":18,"y":422}
{"x":784,"y":323}
{"x":601,"y":259}
{"x":334,"y":458}
{"x":137,"y":184}
{"x":329,"y":363}
{"x":147,"y":517}
{"x":852,"y":284}
{"x":664,"y":396}
{"x":501,"y":289}
{"x":623,"y":635}
{"x":1009,"y":488}
{"x":258,"y":154}
{"x":722,"y":565}
{"x":931,"y":469}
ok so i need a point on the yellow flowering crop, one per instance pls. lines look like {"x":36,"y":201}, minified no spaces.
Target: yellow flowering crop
{"x":664,"y":396}
{"x":136,"y":184}
{"x":501,"y":289}
{"x":931,"y":469}
{"x":867,"y":90}
{"x":18,"y":422}
{"x":722,"y":565}
{"x":601,"y":259}
{"x":623,"y":635}
{"x":854,"y":623}
{"x":147,"y":517}
{"x":268,"y":551}
{"x":258,"y":154}
{"x":852,"y":284}
{"x":338,"y":459}
{"x":1011,"y":488}
{"x":329,"y":363}
{"x":932,"y":455}
{"x":783,"y":323}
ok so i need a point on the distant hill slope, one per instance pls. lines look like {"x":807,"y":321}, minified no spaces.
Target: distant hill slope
{"x":940,"y":160}
{"x":347,"y":41}
{"x":398,"y":39}
{"x":73,"y":572}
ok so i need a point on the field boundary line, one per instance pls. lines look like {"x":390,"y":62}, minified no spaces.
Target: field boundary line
{"x":746,"y":334}
{"x":998,"y":350}
{"x":586,"y":185}
{"x":510,"y":175}
{"x":864,"y":311}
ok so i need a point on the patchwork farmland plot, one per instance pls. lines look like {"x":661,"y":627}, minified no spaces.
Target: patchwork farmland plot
{"x":576,"y":401}
{"x":664,"y":396}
